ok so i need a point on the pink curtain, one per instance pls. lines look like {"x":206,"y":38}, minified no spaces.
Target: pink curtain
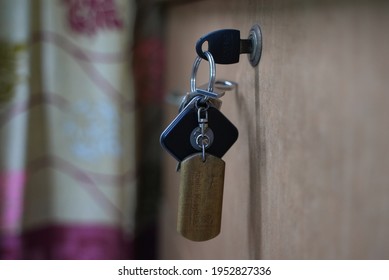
{"x":67,"y":156}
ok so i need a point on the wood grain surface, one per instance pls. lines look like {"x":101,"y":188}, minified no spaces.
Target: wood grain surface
{"x":308,"y":177}
{"x":200,"y":197}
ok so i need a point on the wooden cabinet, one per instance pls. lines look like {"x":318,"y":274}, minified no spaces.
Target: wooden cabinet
{"x":308,"y":177}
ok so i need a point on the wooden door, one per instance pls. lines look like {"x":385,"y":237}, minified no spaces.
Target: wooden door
{"x":308,"y":177}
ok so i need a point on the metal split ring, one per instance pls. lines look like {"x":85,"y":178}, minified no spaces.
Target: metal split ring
{"x":212,"y":72}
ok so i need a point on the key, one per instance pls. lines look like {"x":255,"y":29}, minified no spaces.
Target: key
{"x":176,"y":138}
{"x":225,"y":46}
{"x":200,"y":197}
{"x":214,"y":97}
{"x":220,"y":87}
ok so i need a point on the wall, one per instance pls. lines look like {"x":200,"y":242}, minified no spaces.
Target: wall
{"x":308,"y":176}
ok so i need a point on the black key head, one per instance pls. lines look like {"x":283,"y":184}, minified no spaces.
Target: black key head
{"x":224,"y":45}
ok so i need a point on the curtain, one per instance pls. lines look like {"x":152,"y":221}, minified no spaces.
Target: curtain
{"x":148,"y":65}
{"x":67,"y":157}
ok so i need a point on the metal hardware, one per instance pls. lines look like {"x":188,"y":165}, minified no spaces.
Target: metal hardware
{"x":255,"y":36}
{"x":212,"y":72}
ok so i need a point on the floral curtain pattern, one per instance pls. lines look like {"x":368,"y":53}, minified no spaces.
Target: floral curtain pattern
{"x":67,"y":173}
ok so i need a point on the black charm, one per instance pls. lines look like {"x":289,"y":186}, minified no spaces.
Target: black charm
{"x":176,"y":138}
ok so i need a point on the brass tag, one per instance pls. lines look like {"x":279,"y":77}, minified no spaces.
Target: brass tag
{"x":200,"y":197}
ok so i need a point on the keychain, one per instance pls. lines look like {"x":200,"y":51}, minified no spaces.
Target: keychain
{"x":200,"y":135}
{"x":198,"y":138}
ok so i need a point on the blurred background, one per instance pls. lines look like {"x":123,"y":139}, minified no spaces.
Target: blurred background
{"x":87,"y":86}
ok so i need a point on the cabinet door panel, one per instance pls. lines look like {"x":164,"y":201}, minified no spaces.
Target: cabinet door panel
{"x":308,"y":176}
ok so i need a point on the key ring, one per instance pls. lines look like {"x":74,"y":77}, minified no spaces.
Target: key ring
{"x":212,"y":72}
